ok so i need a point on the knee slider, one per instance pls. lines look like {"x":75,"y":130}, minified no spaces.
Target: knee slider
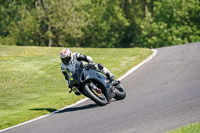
{"x":100,"y":66}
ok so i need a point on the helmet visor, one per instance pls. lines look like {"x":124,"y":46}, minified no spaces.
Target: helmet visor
{"x":66,"y":60}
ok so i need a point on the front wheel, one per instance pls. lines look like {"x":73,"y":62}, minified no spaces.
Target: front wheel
{"x":95,"y":95}
{"x":120,"y":93}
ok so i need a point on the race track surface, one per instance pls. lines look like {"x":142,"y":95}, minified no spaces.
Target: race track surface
{"x":162,"y":95}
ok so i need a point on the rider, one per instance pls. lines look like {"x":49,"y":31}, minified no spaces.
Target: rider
{"x":69,"y":60}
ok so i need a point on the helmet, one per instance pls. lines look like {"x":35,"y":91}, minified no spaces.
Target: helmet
{"x":66,"y":56}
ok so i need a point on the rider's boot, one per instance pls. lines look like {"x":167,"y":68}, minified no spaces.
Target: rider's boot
{"x":110,"y":77}
{"x":99,"y":67}
{"x":112,"y":80}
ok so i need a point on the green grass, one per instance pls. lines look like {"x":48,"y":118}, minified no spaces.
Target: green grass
{"x":32,"y":83}
{"x":193,"y":128}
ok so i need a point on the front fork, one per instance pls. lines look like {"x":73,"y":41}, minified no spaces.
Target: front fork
{"x":95,"y":87}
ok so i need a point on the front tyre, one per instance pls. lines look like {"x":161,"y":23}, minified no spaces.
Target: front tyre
{"x":97,"y":97}
{"x":120,"y":93}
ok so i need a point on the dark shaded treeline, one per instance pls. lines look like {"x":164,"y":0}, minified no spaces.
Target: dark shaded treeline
{"x":99,"y":23}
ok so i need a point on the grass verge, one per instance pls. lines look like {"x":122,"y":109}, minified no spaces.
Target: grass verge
{"x":193,"y":128}
{"x":33,"y":85}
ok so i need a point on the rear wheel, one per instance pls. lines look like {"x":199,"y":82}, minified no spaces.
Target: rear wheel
{"x":120,"y":93}
{"x":95,"y":94}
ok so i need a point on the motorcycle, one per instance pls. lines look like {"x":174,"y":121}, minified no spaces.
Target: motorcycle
{"x":95,"y":86}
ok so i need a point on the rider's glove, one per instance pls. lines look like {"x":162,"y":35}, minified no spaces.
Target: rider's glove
{"x":90,"y":65}
{"x":90,"y":62}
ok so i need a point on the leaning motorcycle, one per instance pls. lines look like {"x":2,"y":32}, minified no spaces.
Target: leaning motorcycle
{"x":95,"y":86}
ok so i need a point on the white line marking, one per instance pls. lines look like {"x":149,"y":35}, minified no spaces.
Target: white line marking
{"x":81,"y":101}
{"x":85,"y":99}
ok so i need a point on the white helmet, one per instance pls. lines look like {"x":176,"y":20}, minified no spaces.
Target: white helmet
{"x":66,"y":56}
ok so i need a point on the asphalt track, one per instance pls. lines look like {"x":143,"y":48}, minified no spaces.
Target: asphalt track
{"x":162,"y":95}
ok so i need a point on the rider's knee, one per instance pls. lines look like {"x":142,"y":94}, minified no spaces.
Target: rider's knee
{"x":100,"y":66}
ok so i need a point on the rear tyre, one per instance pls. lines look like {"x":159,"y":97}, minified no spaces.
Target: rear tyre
{"x":120,"y":93}
{"x":97,"y":97}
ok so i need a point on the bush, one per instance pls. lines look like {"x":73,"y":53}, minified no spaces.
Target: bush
{"x":7,"y":41}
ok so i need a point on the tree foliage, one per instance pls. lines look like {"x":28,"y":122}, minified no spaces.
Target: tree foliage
{"x":174,"y":22}
{"x":99,"y":23}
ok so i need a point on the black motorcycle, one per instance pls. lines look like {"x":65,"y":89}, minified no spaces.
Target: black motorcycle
{"x":95,"y":86}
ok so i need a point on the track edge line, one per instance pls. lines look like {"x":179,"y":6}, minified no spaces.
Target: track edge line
{"x":85,"y":99}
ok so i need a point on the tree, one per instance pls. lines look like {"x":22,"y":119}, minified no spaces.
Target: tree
{"x":99,"y":23}
{"x":170,"y":27}
{"x":63,"y":19}
{"x":106,"y":24}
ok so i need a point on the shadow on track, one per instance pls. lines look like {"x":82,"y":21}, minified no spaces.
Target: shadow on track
{"x":84,"y":107}
{"x":47,"y":109}
{"x":71,"y":109}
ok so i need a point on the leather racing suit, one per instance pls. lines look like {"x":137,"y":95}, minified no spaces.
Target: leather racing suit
{"x":69,"y":69}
